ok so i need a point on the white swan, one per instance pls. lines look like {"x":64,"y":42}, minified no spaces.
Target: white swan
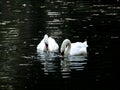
{"x":47,"y":44}
{"x":78,"y":48}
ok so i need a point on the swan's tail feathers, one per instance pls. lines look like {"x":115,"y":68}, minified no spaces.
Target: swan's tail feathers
{"x":85,"y":43}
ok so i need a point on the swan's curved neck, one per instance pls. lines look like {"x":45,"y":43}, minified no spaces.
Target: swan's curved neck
{"x":46,"y":41}
{"x":65,"y":47}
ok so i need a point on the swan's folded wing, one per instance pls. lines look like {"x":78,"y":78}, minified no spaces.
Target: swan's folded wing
{"x":53,"y":46}
{"x":77,"y":48}
{"x":41,"y":46}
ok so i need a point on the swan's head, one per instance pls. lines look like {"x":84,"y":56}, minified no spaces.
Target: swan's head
{"x":46,"y":41}
{"x":64,"y":47}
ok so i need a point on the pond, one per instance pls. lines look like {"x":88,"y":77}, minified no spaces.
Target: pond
{"x":23,"y":25}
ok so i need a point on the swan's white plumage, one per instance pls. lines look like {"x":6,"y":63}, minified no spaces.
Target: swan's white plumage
{"x":52,"y":44}
{"x":41,"y":46}
{"x":78,"y":48}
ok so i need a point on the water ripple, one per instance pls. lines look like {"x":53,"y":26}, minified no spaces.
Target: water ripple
{"x":60,"y":65}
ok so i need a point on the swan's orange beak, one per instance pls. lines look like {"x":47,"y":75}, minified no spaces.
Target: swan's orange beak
{"x":62,"y":53}
{"x":46,"y":46}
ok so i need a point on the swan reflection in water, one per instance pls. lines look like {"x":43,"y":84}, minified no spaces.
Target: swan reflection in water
{"x":61,"y":66}
{"x":75,"y":62}
{"x":72,"y":63}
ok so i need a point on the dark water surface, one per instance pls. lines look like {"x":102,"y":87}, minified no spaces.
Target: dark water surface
{"x":23,"y":24}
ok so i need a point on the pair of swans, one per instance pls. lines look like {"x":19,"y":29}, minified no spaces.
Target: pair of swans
{"x":67,"y":48}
